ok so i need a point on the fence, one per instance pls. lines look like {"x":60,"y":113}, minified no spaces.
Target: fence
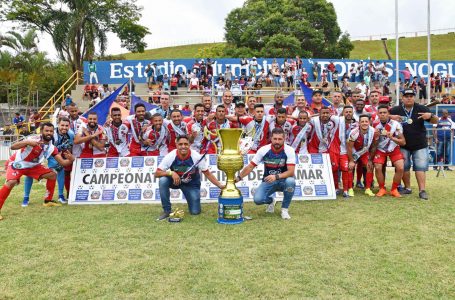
{"x":5,"y":145}
{"x":440,"y":147}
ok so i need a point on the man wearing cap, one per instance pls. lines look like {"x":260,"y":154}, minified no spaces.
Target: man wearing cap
{"x":316,"y":103}
{"x":413,"y":116}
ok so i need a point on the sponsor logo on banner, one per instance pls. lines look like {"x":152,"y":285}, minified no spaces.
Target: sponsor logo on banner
{"x":131,"y":180}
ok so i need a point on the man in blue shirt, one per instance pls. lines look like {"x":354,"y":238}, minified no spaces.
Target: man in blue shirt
{"x":179,"y":169}
{"x":18,"y":120}
{"x":279,"y":165}
{"x":442,"y":137}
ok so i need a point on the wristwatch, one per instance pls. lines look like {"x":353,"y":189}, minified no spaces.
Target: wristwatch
{"x":277,"y":177}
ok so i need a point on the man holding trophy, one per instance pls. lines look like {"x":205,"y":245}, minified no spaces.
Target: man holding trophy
{"x":279,"y":165}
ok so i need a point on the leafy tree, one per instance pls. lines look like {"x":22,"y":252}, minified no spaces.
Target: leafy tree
{"x":286,"y":28}
{"x":76,"y":26}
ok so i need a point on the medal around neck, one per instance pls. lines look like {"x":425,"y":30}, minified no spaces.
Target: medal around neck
{"x":230,"y":161}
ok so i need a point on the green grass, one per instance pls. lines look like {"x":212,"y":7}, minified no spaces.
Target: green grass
{"x":442,"y":48}
{"x":360,"y":248}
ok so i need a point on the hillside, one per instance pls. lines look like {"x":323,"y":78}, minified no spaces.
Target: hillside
{"x":442,"y":48}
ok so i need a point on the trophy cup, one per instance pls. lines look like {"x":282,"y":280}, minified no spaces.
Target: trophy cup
{"x":230,"y":200}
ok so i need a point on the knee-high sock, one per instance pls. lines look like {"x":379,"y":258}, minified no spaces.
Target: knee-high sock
{"x":368,"y":179}
{"x":4,"y":193}
{"x":345,"y":178}
{"x":61,"y":182}
{"x":335,"y":179}
{"x":67,"y":182}
{"x":28,"y":182}
{"x":359,"y":172}
{"x":50,"y":187}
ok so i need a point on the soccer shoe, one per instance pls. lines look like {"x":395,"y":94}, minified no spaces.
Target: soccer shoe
{"x":345,"y":194}
{"x":360,"y":185}
{"x":285,"y":214}
{"x":62,"y":200}
{"x":270,"y":207}
{"x":382,"y":192}
{"x":24,"y":203}
{"x":51,"y":203}
{"x":369,"y":192}
{"x":351,"y":192}
{"x":164,"y":215}
{"x":405,"y":191}
{"x":423,"y":195}
{"x":395,"y":193}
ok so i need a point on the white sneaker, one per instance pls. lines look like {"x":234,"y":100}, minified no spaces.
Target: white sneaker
{"x":270,"y":207}
{"x":285,"y":214}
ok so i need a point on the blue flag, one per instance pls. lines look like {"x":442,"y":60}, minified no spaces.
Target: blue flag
{"x":103,"y":107}
{"x":289,"y":100}
{"x":136,"y":100}
{"x":308,"y":92}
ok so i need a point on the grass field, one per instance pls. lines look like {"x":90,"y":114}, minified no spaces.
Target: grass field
{"x":360,"y":248}
{"x":443,"y":48}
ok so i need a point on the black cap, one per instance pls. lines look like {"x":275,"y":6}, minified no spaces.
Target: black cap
{"x":409,"y":92}
{"x":317,"y":91}
{"x":240,"y":103}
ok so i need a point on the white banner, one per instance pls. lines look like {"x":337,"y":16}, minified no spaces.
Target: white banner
{"x":131,"y":180}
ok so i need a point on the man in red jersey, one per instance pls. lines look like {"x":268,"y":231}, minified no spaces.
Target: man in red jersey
{"x":347,"y":124}
{"x":28,"y":162}
{"x":91,"y":137}
{"x":256,"y":129}
{"x":195,"y":127}
{"x":116,"y":135}
{"x":137,"y":125}
{"x":301,"y":133}
{"x":175,"y":127}
{"x":280,"y":120}
{"x":155,"y":137}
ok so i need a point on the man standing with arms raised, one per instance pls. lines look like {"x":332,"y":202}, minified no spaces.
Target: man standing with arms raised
{"x":279,"y":166}
{"x":413,"y":116}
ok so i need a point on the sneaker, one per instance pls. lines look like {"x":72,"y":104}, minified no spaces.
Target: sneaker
{"x":369,"y":192}
{"x":447,"y":169}
{"x":338,"y":192}
{"x":360,"y":185}
{"x":382,"y":192}
{"x":351,"y":192}
{"x":51,"y":203}
{"x":24,"y":203}
{"x":62,"y":200}
{"x":423,"y":195}
{"x":164,"y":215}
{"x":405,"y":191}
{"x":345,"y":195}
{"x":285,"y":214}
{"x":395,"y":193}
{"x":270,"y":208}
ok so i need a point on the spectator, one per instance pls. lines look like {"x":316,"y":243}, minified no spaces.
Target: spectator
{"x":361,"y":71}
{"x":243,"y":66}
{"x":34,"y":120}
{"x":352,"y":72}
{"x":335,"y":80}
{"x":150,"y":71}
{"x":316,"y":69}
{"x":448,"y":84}
{"x":18,"y":121}
{"x":92,"y":71}
{"x":236,"y":90}
{"x":165,"y":82}
{"x":194,"y":83}
{"x":68,"y":99}
{"x":407,"y":75}
{"x":443,"y":135}
{"x":186,"y":107}
{"x":438,"y":82}
{"x":209,"y":67}
{"x":253,"y":67}
{"x":330,"y":70}
{"x":63,"y":113}
{"x":363,"y":87}
{"x":228,"y":74}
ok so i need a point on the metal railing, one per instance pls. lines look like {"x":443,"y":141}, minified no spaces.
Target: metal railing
{"x":6,"y":141}
{"x":440,"y":148}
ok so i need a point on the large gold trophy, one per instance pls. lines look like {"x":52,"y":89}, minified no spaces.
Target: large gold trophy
{"x":230,"y":200}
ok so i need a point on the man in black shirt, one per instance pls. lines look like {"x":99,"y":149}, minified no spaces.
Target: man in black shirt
{"x":413,"y":116}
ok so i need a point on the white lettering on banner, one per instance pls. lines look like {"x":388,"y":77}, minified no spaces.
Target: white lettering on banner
{"x":139,"y":68}
{"x":130,"y":180}
{"x":442,"y":71}
{"x":129,"y":71}
{"x":116,"y":70}
{"x":389,"y":69}
{"x":421,"y":66}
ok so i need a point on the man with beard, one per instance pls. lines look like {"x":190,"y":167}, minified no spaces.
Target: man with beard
{"x":337,"y":104}
{"x":347,"y":124}
{"x":301,"y":133}
{"x":155,"y":137}
{"x":63,"y":140}
{"x":28,"y":162}
{"x":390,"y":139}
{"x":360,"y":110}
{"x":279,"y":165}
{"x":278,"y":99}
{"x":316,"y":102}
{"x":179,"y":169}
{"x":175,"y":128}
{"x":195,"y":128}
{"x":281,"y":121}
{"x":116,"y":135}
{"x":212,"y":140}
{"x":91,"y":137}
{"x":361,"y":148}
{"x":137,"y":125}
{"x":256,"y":129}
{"x":164,"y":109}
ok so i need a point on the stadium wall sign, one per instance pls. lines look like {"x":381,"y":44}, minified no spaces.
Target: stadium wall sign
{"x":115,"y":72}
{"x":130,"y":180}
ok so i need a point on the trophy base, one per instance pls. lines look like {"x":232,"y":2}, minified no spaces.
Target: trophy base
{"x":230,"y":210}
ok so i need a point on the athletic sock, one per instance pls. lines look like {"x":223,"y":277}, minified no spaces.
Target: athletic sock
{"x":335,"y":179}
{"x":382,"y":185}
{"x":50,"y":187}
{"x":4,"y":193}
{"x":28,"y":182}
{"x":395,"y":185}
{"x":61,"y":182}
{"x":345,"y":179}
{"x":368,"y":179}
{"x":67,"y":182}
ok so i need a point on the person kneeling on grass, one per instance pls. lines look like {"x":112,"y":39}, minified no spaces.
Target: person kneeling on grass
{"x":28,"y":162}
{"x":179,"y":169}
{"x":279,"y":165}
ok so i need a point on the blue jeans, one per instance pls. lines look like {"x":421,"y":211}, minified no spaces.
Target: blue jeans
{"x":419,"y":159}
{"x":444,"y":150}
{"x":191,"y":191}
{"x":265,"y":190}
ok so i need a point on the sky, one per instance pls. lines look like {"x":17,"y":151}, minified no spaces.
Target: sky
{"x":176,"y":22}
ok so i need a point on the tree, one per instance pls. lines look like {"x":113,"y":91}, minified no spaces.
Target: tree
{"x":76,"y":26}
{"x":286,"y":28}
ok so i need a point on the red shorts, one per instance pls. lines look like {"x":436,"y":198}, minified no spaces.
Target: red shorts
{"x":364,"y":159}
{"x":381,"y":157}
{"x":344,"y":163}
{"x":35,"y":172}
{"x":335,"y":160}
